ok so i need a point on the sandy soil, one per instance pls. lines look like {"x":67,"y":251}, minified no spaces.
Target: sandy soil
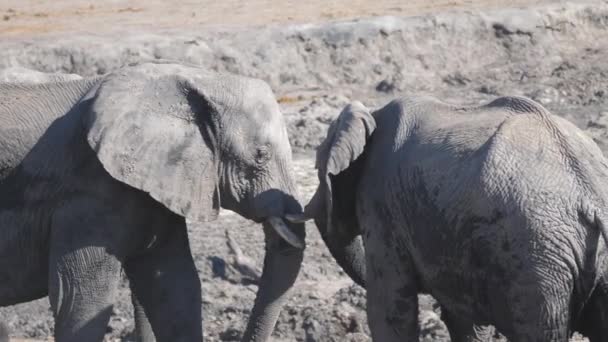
{"x":29,"y":17}
{"x":555,"y":54}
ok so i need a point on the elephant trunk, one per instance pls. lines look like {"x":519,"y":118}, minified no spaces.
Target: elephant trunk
{"x":343,"y":239}
{"x":349,"y":254}
{"x":281,"y":267}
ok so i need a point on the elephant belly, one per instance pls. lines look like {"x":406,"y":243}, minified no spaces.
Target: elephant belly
{"x":461,"y":295}
{"x":472,"y":270}
{"x":23,"y":257}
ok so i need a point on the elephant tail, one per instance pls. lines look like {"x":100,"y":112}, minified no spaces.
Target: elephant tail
{"x":600,"y":223}
{"x":595,"y":218}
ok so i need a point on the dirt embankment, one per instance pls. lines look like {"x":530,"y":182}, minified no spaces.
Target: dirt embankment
{"x":505,"y":51}
{"x":26,"y":18}
{"x":555,"y":53}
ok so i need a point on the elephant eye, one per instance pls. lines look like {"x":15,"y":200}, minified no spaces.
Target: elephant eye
{"x":262,"y":154}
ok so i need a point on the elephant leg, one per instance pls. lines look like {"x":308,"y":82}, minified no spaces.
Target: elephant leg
{"x":539,"y":312}
{"x":392,"y":295}
{"x":593,"y":322}
{"x":465,"y":330}
{"x":165,"y":281}
{"x":392,"y":309}
{"x":82,"y":287}
{"x":84,"y":272}
{"x":143,"y":329}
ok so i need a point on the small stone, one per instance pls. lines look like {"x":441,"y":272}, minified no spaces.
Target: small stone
{"x":231,"y":334}
{"x":385,"y":86}
{"x":489,"y":90}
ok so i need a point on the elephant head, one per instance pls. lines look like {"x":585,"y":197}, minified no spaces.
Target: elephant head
{"x":195,"y":142}
{"x":339,"y":162}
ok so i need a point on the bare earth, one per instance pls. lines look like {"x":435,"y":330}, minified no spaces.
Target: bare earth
{"x":317,"y":58}
{"x":31,"y":17}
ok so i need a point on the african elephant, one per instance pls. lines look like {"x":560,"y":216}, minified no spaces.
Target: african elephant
{"x":100,"y":174}
{"x":497,"y":211}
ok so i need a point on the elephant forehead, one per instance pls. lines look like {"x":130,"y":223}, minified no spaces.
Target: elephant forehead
{"x":258,"y":109}
{"x":270,"y":126}
{"x":259,"y":101}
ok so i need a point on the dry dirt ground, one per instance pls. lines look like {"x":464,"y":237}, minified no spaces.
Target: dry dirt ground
{"x":317,"y":56}
{"x":27,"y":17}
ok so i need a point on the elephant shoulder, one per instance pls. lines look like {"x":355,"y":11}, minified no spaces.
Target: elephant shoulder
{"x":524,"y":125}
{"x":415,"y":105}
{"x":526,"y":147}
{"x":521,"y":134}
{"x":28,"y":109}
{"x":547,"y":134}
{"x":427,"y":107}
{"x":400,"y":117}
{"x":517,"y":105}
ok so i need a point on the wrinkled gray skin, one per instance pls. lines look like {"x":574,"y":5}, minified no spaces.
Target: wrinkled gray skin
{"x":498,"y":211}
{"x":143,"y":330}
{"x":101,"y":174}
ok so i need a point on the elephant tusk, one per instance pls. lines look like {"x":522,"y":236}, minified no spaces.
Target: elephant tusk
{"x":297,"y":218}
{"x":281,"y":228}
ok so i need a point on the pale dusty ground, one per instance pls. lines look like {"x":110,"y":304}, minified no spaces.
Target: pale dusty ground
{"x":30,"y":17}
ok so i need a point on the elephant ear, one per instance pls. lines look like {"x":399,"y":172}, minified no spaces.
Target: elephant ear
{"x":157,"y":134}
{"x":339,"y":164}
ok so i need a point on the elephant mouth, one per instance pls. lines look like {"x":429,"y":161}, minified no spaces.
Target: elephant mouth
{"x":281,"y":228}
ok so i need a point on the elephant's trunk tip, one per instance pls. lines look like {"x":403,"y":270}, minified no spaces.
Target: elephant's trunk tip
{"x":297,"y":218}
{"x":283,"y":230}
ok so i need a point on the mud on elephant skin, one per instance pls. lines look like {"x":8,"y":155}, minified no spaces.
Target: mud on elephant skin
{"x":100,"y":174}
{"x":498,"y":211}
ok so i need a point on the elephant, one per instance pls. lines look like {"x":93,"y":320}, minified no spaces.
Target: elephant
{"x":495,"y":210}
{"x":99,"y":175}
